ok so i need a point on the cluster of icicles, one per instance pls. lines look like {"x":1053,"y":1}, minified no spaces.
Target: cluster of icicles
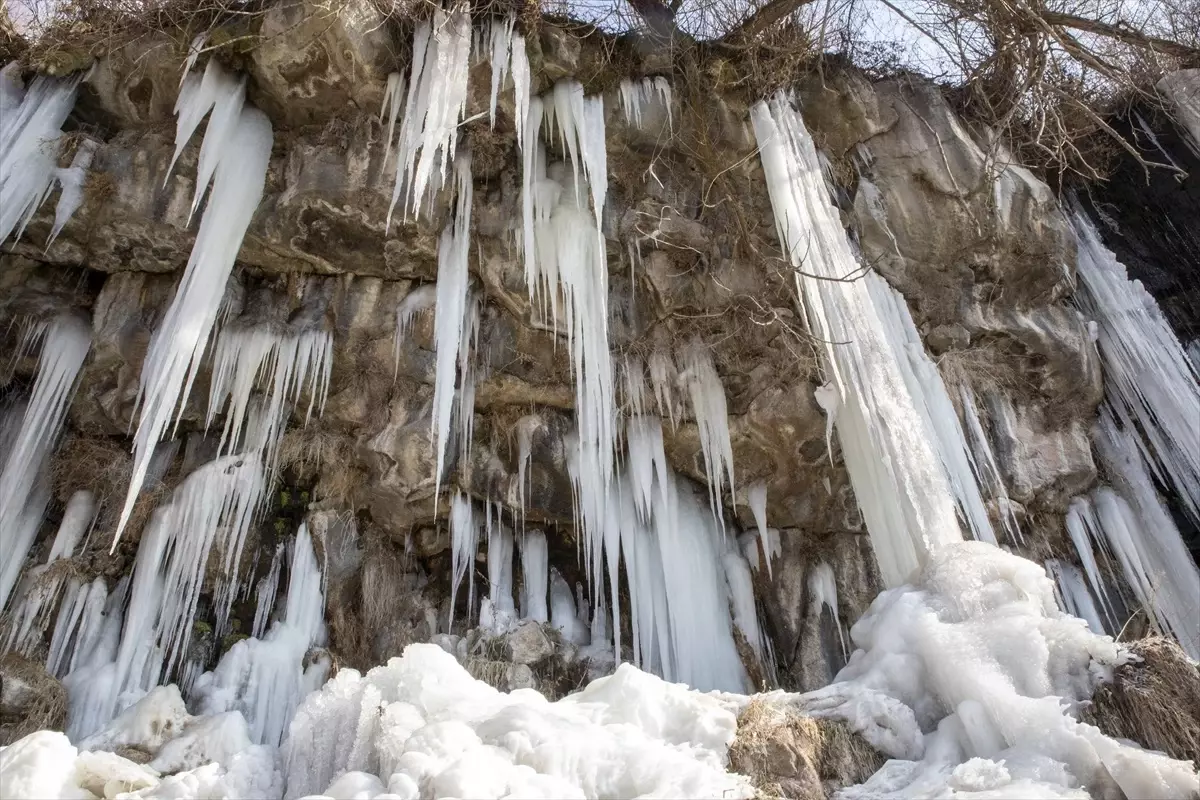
{"x":916,"y":470}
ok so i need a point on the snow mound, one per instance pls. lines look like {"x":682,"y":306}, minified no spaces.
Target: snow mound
{"x":969,"y":678}
{"x":425,"y":727}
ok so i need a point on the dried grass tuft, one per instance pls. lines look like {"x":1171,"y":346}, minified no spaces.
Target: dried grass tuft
{"x":1154,"y":702}
{"x":30,"y":699}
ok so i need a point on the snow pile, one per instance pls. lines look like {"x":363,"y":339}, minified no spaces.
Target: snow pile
{"x":421,"y":726}
{"x":968,"y":678}
{"x":897,"y":458}
{"x":212,"y":757}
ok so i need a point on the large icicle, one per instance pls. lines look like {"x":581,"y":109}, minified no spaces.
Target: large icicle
{"x":1149,"y":382}
{"x":452,"y":324}
{"x":464,"y":542}
{"x":31,"y":121}
{"x":65,"y":341}
{"x":891,"y":455}
{"x":707,"y":396}
{"x":437,"y":97}
{"x":239,"y":167}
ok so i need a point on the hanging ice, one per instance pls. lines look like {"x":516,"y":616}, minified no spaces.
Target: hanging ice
{"x":756,"y":498}
{"x":437,"y":97}
{"x":1073,"y":592}
{"x":636,"y":95}
{"x":707,"y":395}
{"x":892,"y":457}
{"x":391,"y":107}
{"x":535,"y":575}
{"x":983,"y":462}
{"x":1149,"y":382}
{"x":286,"y":364}
{"x":453,"y":326}
{"x":268,"y":585}
{"x":419,"y":300}
{"x":238,"y":163}
{"x":31,"y":121}
{"x":464,"y":541}
{"x":266,"y":678}
{"x":822,"y":592}
{"x":65,"y":342}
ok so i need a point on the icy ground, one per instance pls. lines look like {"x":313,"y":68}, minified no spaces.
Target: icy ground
{"x":965,"y":677}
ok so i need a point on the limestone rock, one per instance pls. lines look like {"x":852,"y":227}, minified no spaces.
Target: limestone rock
{"x":528,"y":644}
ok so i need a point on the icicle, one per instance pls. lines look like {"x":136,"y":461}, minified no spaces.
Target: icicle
{"x":500,"y":40}
{"x":179,"y":342}
{"x":756,"y":498}
{"x":286,"y":363}
{"x":1144,"y":537}
{"x":822,"y":591}
{"x":31,"y":123}
{"x":526,"y":427}
{"x":1149,"y":382}
{"x":519,"y":67}
{"x":830,"y":401}
{"x":892,"y":457}
{"x":1083,"y":526}
{"x":741,"y":599}
{"x":637,"y":95}
{"x":535,"y":575}
{"x":71,"y":180}
{"x":707,"y":396}
{"x":662,"y":377}
{"x":451,"y":316}
{"x":468,"y":373}
{"x":65,"y":344}
{"x":437,"y":97}
{"x":563,"y":615}
{"x":391,"y":107}
{"x":500,"y":567}
{"x":983,"y":463}
{"x":464,"y":541}
{"x":419,"y":300}
{"x":268,"y":586}
{"x":1073,"y":594}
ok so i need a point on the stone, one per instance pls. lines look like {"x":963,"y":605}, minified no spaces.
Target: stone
{"x":947,"y":337}
{"x":528,"y":644}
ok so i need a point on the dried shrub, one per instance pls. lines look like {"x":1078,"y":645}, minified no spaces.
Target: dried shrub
{"x":30,"y":699}
{"x":1154,"y":702}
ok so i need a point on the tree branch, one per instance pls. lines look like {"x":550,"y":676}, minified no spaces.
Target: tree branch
{"x":764,"y":17}
{"x":1123,"y":33}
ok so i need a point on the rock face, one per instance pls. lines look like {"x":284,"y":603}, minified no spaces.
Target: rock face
{"x":979,"y":248}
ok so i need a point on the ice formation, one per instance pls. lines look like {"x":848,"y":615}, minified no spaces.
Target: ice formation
{"x":464,"y":541}
{"x":636,"y":95}
{"x":452,"y":323}
{"x":31,"y":120}
{"x":756,"y":498}
{"x":233,"y":157}
{"x":893,"y":457}
{"x":44,"y":584}
{"x":983,"y":462}
{"x":535,"y":576}
{"x":423,"y":727}
{"x":437,"y":97}
{"x":65,"y":341}
{"x":967,"y":678}
{"x":71,"y":179}
{"x":286,"y":364}
{"x":1149,"y":382}
{"x":267,"y":588}
{"x":419,"y":300}
{"x":707,"y":396}
{"x":265,"y":679}
{"x":391,"y":107}
{"x":1073,"y":591}
{"x":500,"y":566}
{"x":822,"y":593}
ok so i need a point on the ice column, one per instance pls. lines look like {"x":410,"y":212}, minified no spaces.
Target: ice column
{"x":892,"y":456}
{"x":65,"y":340}
{"x":236,"y":162}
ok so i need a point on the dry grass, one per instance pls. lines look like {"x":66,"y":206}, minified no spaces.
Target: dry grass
{"x":1155,"y":702}
{"x":786,"y":754}
{"x":30,"y":699}
{"x":325,"y":458}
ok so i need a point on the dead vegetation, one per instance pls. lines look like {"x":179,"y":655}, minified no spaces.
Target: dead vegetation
{"x":789,"y":755}
{"x":1154,"y":702}
{"x":30,"y":699}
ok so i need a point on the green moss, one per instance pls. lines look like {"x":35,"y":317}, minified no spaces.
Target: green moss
{"x":231,"y":639}
{"x":201,"y":628}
